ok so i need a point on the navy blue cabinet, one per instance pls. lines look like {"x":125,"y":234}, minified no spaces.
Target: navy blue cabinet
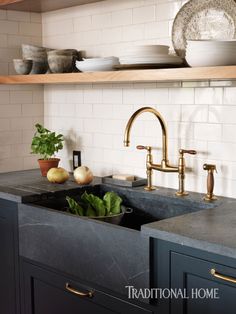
{"x":9,"y":292}
{"x":199,"y":282}
{"x":46,"y":291}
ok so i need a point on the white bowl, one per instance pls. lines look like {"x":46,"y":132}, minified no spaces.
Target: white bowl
{"x":101,"y":60}
{"x":88,"y":66}
{"x":210,"y":58}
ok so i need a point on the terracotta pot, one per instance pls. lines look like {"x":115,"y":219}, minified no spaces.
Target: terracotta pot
{"x":46,"y":164}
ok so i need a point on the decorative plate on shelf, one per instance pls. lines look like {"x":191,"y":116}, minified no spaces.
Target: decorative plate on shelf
{"x":204,"y":19}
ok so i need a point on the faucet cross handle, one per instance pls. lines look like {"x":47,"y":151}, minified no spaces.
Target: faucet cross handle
{"x":141,"y":147}
{"x":187,"y":151}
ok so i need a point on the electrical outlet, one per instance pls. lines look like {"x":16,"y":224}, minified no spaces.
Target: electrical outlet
{"x":76,"y":159}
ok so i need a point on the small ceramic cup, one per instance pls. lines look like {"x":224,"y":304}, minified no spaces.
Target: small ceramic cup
{"x":22,"y":66}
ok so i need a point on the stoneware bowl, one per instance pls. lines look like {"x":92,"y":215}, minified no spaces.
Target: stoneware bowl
{"x":61,"y":64}
{"x":63,"y":52}
{"x":35,"y":53}
{"x":66,"y":52}
{"x":22,"y":66}
{"x":39,"y":67}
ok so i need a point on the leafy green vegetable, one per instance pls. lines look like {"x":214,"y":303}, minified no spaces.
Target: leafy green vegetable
{"x":93,"y":206}
{"x":90,"y":212}
{"x":75,"y":208}
{"x":112,"y":202}
{"x":95,"y":202}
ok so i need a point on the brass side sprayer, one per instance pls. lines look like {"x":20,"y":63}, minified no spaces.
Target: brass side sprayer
{"x":209,"y":197}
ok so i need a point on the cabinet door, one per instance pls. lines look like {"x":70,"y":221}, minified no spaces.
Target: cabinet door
{"x":8,"y":264}
{"x":49,"y":292}
{"x":189,"y":273}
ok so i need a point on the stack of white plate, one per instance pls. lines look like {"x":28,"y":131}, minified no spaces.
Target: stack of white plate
{"x":97,"y":64}
{"x":200,"y":53}
{"x":149,"y":54}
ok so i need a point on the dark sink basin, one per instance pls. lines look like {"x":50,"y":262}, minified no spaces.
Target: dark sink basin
{"x":147,"y":207}
{"x":108,"y":255}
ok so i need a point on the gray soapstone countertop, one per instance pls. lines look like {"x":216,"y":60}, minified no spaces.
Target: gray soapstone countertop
{"x":29,"y":186}
{"x":212,"y":230}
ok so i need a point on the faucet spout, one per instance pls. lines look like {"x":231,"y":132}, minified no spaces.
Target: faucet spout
{"x":163,"y":127}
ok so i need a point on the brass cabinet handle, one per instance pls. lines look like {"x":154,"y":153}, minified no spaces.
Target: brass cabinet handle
{"x":88,"y":294}
{"x":223,"y":277}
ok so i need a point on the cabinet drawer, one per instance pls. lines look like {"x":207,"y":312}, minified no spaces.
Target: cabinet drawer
{"x":49,"y":292}
{"x":190,"y":273}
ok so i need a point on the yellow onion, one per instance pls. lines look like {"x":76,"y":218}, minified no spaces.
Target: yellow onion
{"x":83,"y":175}
{"x":57,"y":175}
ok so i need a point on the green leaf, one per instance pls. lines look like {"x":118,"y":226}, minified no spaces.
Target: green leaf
{"x":45,"y":142}
{"x":112,"y":202}
{"x":90,"y":212}
{"x":96,"y":203}
{"x":74,"y":207}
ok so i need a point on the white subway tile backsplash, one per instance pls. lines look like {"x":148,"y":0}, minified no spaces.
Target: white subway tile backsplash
{"x":84,"y":110}
{"x":157,"y":96}
{"x":208,"y":132}
{"x":33,"y":110}
{"x":102,"y":140}
{"x":93,"y":118}
{"x":112,"y":35}
{"x":133,"y":32}
{"x":9,"y":27}
{"x":10,"y":111}
{"x":101,"y":21}
{"x":144,"y":14}
{"x":224,"y":151}
{"x":157,"y":30}
{"x":195,"y":113}
{"x":230,"y":96}
{"x":21,"y":123}
{"x":167,"y":11}
{"x":181,"y":96}
{"x":93,"y":96}
{"x":112,"y":96}
{"x":121,"y":18}
{"x":133,"y":96}
{"x":228,"y":133}
{"x":102,"y":111}
{"x":36,"y":17}
{"x":18,"y":16}
{"x":222,"y":114}
{"x":82,"y":23}
{"x":30,"y":29}
{"x":21,"y":97}
{"x":208,"y":96}
{"x":58,"y":28}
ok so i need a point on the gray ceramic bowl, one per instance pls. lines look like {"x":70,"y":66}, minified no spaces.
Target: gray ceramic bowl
{"x":63,"y":52}
{"x":22,"y":66}
{"x":39,"y":67}
{"x":35,"y":53}
{"x":61,"y":64}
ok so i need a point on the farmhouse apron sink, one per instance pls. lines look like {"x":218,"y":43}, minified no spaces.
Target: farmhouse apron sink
{"x":101,"y":253}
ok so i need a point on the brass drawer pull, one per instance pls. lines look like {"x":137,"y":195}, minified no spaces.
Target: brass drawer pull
{"x":223,"y":277}
{"x":80,"y":294}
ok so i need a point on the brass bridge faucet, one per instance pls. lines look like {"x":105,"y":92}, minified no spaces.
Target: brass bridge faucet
{"x":164,"y":166}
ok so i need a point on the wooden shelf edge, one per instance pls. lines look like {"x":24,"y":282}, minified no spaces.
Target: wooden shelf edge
{"x":127,"y":76}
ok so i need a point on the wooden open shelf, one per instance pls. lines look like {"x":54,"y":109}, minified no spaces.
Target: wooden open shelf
{"x":41,"y":5}
{"x":127,"y":76}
